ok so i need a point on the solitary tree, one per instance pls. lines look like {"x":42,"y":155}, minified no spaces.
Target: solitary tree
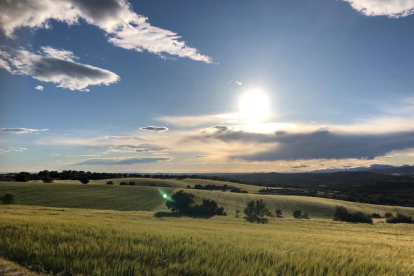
{"x":256,"y":210}
{"x":84,"y":179}
{"x":8,"y":198}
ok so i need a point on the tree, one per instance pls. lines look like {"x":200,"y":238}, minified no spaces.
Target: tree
{"x":21,"y":177}
{"x":47,"y":179}
{"x":180,"y":202}
{"x":256,"y":210}
{"x":8,"y":198}
{"x":279,"y":213}
{"x":84,"y":179}
{"x":297,"y":214}
{"x":342,"y":214}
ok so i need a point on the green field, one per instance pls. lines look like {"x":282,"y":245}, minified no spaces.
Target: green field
{"x":89,"y":242}
{"x":98,"y":195}
{"x":98,"y":229}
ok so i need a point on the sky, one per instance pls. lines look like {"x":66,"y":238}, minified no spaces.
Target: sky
{"x":205,"y":86}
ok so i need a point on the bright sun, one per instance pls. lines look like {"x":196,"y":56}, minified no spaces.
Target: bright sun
{"x":254,"y":106}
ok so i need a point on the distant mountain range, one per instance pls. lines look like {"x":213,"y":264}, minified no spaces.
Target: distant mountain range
{"x":377,"y":168}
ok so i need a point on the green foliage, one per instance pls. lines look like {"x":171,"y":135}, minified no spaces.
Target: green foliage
{"x":278,"y":213}
{"x":237,"y":213}
{"x":47,"y":179}
{"x":388,"y":215}
{"x":342,"y":214}
{"x":184,"y":203}
{"x":8,"y":198}
{"x":256,"y":210}
{"x":400,"y":218}
{"x":297,"y":214}
{"x":84,"y":179}
{"x":375,"y":215}
{"x":22,"y":177}
{"x":110,"y":183}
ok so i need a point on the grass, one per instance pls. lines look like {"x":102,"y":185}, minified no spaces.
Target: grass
{"x":96,"y":242}
{"x":98,"y":195}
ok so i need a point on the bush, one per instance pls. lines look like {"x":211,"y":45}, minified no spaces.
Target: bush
{"x":375,"y":215}
{"x":237,"y":190}
{"x":388,"y":215}
{"x":297,"y":214}
{"x":279,"y":213}
{"x":188,"y":187}
{"x":237,"y":215}
{"x":255,"y":211}
{"x":123,"y":183}
{"x":305,"y":216}
{"x":84,"y":179}
{"x":400,"y":218}
{"x":342,"y":214}
{"x":8,"y":198}
{"x":110,"y":182}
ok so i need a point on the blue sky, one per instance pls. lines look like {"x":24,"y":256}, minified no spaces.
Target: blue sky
{"x":336,"y":78}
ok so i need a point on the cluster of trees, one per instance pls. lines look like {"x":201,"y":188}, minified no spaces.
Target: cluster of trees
{"x":238,"y":190}
{"x":8,"y":198}
{"x":256,"y":211}
{"x":211,"y":187}
{"x":184,"y":203}
{"x":342,"y":214}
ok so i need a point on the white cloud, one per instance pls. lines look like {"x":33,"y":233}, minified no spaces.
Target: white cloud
{"x":124,"y":28}
{"x":39,"y":87}
{"x":11,"y":149}
{"x":20,"y":130}
{"x":56,"y":66}
{"x":390,"y":8}
{"x":123,"y":161}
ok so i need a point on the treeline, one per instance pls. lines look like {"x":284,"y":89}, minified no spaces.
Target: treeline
{"x":76,"y":175}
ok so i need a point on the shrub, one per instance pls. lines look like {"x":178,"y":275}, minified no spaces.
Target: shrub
{"x":305,"y":216}
{"x":400,"y":218}
{"x":279,"y":213}
{"x":388,"y":215}
{"x":188,"y":187}
{"x":342,"y":214}
{"x":375,"y":215}
{"x":8,"y":198}
{"x":297,"y":214}
{"x":255,"y":211}
{"x":123,"y":183}
{"x":84,"y":179}
{"x":110,"y":182}
{"x":237,"y":215}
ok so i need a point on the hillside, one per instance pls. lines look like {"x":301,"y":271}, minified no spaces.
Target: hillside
{"x":97,"y":195}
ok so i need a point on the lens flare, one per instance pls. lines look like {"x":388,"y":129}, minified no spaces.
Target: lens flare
{"x":164,"y":195}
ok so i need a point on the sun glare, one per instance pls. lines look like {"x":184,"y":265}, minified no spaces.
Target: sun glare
{"x":254,"y":106}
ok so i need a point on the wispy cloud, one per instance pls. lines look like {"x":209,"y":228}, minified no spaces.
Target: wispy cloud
{"x":124,"y":28}
{"x":136,"y":148}
{"x":390,"y":8}
{"x":20,"y":130}
{"x":39,"y":87}
{"x":11,"y":149}
{"x":123,"y":161}
{"x":56,"y":66}
{"x":155,"y":128}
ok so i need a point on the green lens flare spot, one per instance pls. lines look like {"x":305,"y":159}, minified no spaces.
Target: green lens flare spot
{"x":164,"y":196}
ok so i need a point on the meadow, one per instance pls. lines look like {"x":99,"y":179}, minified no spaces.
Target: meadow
{"x":94,"y":242}
{"x":67,"y":228}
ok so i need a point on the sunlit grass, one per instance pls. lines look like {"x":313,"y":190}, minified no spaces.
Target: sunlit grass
{"x":135,"y":243}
